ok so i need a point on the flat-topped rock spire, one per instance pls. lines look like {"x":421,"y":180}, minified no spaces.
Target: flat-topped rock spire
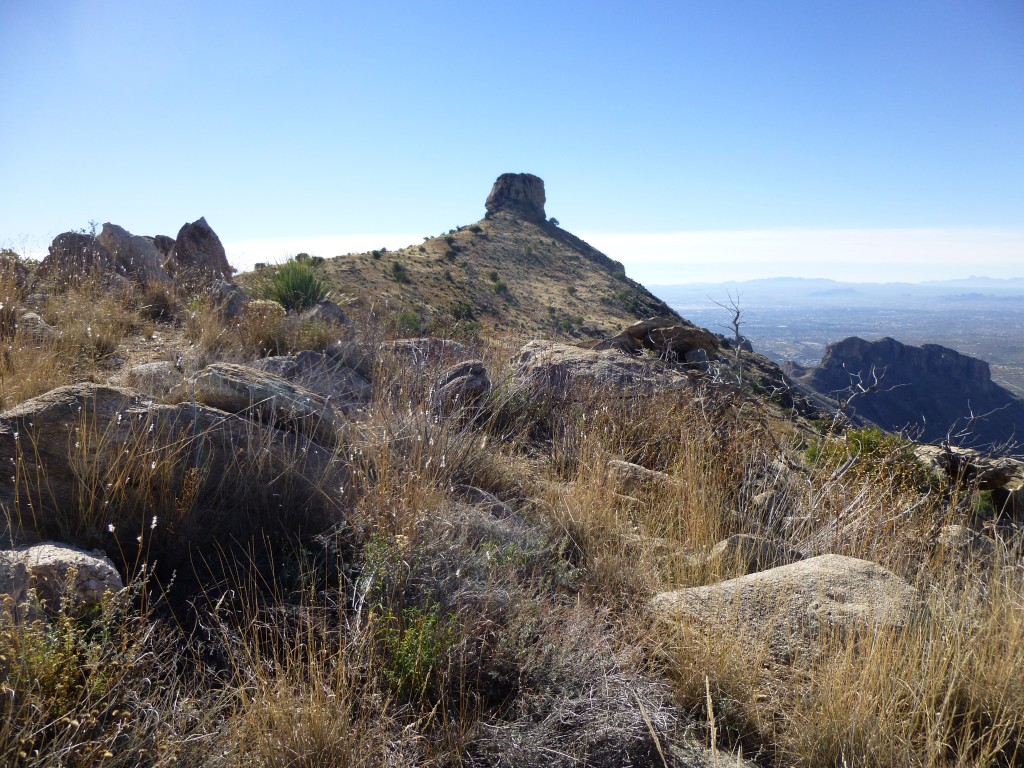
{"x":520,"y":193}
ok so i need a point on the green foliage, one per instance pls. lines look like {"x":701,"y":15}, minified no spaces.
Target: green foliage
{"x":399,"y":272}
{"x":571,"y":290}
{"x":295,"y":285}
{"x":476,"y":229}
{"x":408,"y":322}
{"x":501,"y":288}
{"x":874,"y":451}
{"x":417,"y":645}
{"x":493,"y":275}
{"x":463,"y":310}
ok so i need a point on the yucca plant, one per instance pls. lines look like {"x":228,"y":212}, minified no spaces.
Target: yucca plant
{"x":295,"y":285}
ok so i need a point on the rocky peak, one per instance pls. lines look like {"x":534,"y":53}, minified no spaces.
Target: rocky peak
{"x":519,"y":193}
{"x":906,"y":361}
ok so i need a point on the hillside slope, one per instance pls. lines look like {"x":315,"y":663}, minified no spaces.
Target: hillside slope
{"x":512,"y":270}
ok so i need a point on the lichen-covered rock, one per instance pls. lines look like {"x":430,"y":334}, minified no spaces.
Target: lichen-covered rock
{"x":57,"y":573}
{"x":788,"y":608}
{"x":243,"y":390}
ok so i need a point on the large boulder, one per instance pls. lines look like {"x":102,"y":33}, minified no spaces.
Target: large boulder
{"x":137,"y":256}
{"x":273,"y":400}
{"x":330,"y":378}
{"x":73,"y":446}
{"x":565,"y":369}
{"x":790,"y":607}
{"x":73,"y":255}
{"x":57,"y":573}
{"x":668,"y":337}
{"x":198,"y":255}
{"x":326,"y":312}
{"x":521,"y":194}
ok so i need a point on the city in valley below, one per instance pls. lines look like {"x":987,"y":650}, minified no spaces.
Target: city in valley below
{"x":796,"y":319}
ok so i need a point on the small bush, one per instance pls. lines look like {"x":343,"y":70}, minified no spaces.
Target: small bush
{"x":501,"y":288}
{"x":295,"y":285}
{"x":399,"y":272}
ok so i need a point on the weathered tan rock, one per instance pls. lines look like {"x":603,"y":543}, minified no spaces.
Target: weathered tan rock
{"x":156,"y":379}
{"x":137,"y":256}
{"x":198,"y":255}
{"x":33,"y":327}
{"x":57,"y":572}
{"x":330,"y":378}
{"x":750,"y":554}
{"x":789,"y":607}
{"x":630,"y":478}
{"x":460,"y":386}
{"x":566,"y":369}
{"x":244,"y":390}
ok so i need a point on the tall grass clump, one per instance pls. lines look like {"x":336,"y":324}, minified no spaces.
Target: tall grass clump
{"x":295,"y":285}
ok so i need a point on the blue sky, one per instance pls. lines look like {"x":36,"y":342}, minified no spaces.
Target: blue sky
{"x":692,"y":141}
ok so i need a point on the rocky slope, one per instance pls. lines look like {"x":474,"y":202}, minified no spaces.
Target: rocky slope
{"x":932,"y":392}
{"x":512,"y":270}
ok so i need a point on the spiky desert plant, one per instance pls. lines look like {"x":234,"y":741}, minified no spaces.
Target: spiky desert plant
{"x":295,"y":285}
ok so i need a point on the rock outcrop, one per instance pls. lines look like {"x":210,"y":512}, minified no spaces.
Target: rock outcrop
{"x":789,"y":607}
{"x":243,"y":390}
{"x":198,"y":254}
{"x":64,"y":446}
{"x":566,"y":370}
{"x":75,"y":254}
{"x":931,"y":391}
{"x":137,"y":256}
{"x":670,"y":338}
{"x":519,"y":193}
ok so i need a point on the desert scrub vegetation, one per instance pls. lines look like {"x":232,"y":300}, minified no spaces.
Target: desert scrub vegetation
{"x":467,"y":581}
{"x":296,"y":285}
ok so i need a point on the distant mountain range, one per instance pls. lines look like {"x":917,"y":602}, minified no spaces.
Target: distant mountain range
{"x":820,"y":290}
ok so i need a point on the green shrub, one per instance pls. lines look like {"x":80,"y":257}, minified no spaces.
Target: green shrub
{"x":493,"y":275}
{"x":399,"y":272}
{"x":417,"y":644}
{"x":295,"y":285}
{"x":501,"y":288}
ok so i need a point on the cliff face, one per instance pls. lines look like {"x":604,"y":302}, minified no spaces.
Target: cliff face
{"x":930,"y":391}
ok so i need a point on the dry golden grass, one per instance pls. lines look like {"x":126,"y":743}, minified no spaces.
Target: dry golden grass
{"x":410,"y":624}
